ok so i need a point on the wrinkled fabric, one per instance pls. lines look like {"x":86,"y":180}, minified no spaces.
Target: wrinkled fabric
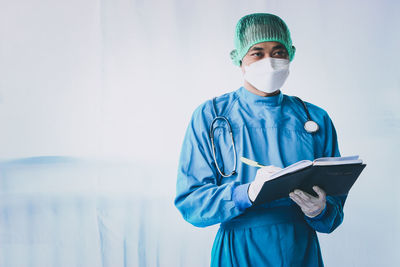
{"x":269,"y":130}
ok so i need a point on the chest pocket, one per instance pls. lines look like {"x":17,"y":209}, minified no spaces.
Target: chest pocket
{"x":296,"y":145}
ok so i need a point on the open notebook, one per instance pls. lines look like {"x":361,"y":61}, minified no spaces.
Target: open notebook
{"x":335,"y":175}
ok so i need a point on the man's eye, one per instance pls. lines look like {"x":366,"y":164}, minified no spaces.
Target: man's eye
{"x":258,"y":54}
{"x":280,"y":53}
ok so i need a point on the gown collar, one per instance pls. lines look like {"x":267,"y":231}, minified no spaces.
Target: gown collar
{"x":251,"y":98}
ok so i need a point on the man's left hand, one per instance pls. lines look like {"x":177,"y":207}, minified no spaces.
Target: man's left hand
{"x":310,"y":205}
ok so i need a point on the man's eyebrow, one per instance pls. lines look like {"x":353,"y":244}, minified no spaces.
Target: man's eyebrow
{"x":279,"y":46}
{"x":256,"y":48}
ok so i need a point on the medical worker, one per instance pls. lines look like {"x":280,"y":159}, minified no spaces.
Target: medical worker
{"x":215,"y":187}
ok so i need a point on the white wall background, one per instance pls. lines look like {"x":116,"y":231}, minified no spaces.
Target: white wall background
{"x":117,"y":81}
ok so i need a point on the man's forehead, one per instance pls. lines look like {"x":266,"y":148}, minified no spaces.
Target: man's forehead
{"x":264,"y":45}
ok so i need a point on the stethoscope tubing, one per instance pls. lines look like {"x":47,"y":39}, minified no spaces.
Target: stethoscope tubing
{"x":314,"y":129}
{"x":213,"y":145}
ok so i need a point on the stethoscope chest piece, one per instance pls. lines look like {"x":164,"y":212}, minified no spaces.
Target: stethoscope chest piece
{"x":311,"y":126}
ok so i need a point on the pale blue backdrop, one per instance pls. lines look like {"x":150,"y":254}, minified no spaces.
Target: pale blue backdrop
{"x":95,"y":97}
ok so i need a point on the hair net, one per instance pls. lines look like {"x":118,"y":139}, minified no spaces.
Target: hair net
{"x":257,"y":28}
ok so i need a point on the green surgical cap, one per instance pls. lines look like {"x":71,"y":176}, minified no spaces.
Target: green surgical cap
{"x":258,"y":28}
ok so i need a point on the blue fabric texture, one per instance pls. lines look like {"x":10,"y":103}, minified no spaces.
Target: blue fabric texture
{"x":241,"y":197}
{"x":270,"y":131}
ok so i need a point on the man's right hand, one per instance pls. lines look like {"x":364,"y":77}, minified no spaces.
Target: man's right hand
{"x":263,"y":174}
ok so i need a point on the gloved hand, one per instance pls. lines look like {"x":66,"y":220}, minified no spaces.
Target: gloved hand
{"x":263,"y":174}
{"x":310,"y":205}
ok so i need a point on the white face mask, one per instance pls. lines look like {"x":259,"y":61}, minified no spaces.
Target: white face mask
{"x":268,"y":74}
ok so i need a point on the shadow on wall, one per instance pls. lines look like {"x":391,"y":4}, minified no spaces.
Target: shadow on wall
{"x":62,"y":211}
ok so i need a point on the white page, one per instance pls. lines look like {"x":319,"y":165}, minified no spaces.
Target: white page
{"x":337,"y":161}
{"x":292,"y":168}
{"x":355,"y":157}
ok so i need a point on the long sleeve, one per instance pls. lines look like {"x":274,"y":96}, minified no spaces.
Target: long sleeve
{"x":200,"y":197}
{"x":332,"y":216}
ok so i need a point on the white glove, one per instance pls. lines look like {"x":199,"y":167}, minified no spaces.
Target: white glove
{"x":263,"y":175}
{"x":310,"y":205}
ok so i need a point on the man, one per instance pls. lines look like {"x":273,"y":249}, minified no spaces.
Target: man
{"x":268,"y":127}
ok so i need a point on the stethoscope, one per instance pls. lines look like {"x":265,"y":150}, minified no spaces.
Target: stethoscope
{"x":310,"y":126}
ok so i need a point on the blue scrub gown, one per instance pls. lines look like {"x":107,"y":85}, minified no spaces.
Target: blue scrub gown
{"x":269,"y":130}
